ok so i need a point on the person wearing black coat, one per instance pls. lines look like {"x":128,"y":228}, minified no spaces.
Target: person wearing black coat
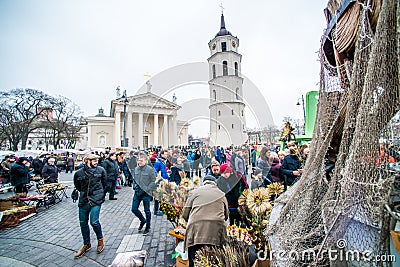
{"x":291,"y":165}
{"x":127,"y":171}
{"x":38,"y":164}
{"x":90,"y":181}
{"x":196,"y":163}
{"x":177,"y":172}
{"x":111,"y":166}
{"x":232,"y":184}
{"x":264,"y":165}
{"x":19,"y":175}
{"x":50,"y":172}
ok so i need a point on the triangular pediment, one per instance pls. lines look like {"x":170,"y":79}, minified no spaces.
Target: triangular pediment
{"x":151,"y":100}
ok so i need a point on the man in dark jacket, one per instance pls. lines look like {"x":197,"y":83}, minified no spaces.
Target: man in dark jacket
{"x":19,"y":175}
{"x":177,"y":172}
{"x":144,"y":185}
{"x":50,"y":172}
{"x":291,"y":165}
{"x":90,"y":182}
{"x":215,"y":169}
{"x":70,"y":164}
{"x":38,"y":164}
{"x":111,"y":166}
{"x":6,"y":166}
{"x":126,"y":170}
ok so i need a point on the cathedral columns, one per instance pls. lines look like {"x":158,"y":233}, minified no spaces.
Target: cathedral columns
{"x":174,"y":130}
{"x":155,"y":130}
{"x":129,"y":132}
{"x":117,"y":137}
{"x":140,"y":130}
{"x":165,"y":131}
{"x":89,"y":135}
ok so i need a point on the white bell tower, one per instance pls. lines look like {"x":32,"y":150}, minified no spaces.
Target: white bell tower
{"x":227,"y":120}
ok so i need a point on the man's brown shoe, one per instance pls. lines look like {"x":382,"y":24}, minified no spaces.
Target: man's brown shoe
{"x":82,"y":251}
{"x":100,"y":245}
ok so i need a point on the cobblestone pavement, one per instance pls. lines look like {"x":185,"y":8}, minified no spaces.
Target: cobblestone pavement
{"x":52,"y":236}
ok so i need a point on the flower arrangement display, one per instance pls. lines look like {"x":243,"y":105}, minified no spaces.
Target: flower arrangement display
{"x":172,"y":198}
{"x":233,"y":254}
{"x":255,"y":207}
{"x":239,"y":233}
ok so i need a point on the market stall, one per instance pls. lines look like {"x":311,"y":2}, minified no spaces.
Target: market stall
{"x":246,"y":245}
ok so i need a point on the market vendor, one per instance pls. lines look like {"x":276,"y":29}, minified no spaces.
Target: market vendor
{"x":19,"y":175}
{"x":6,"y":166}
{"x":205,"y":211}
{"x":50,"y":172}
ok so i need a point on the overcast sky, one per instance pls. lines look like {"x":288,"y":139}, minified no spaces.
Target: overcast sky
{"x":84,"y":49}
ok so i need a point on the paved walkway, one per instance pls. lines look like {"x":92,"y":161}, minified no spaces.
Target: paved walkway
{"x":52,"y":236}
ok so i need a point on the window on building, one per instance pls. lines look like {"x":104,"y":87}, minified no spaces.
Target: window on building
{"x":233,"y":113}
{"x":225,"y":68}
{"x":232,"y":126}
{"x":219,"y":112}
{"x":214,"y":95}
{"x":236,"y":69}
{"x":219,"y":127}
{"x":237,"y":94}
{"x":214,"y":72}
{"x":223,"y":46}
{"x":242,"y":113}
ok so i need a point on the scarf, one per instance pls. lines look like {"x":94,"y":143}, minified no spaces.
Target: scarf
{"x":89,"y":171}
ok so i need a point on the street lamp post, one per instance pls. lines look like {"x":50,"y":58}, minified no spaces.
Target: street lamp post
{"x":125,"y":102}
{"x":304,"y":112}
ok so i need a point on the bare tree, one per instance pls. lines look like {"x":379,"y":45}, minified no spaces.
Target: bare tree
{"x":20,"y":109}
{"x":65,"y":121}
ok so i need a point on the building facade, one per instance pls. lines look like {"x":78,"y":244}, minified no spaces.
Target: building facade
{"x":227,"y":120}
{"x":145,"y":120}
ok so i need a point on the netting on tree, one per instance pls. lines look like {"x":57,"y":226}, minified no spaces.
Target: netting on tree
{"x":338,"y":204}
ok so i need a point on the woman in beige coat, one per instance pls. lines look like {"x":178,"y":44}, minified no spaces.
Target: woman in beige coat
{"x":206,"y":211}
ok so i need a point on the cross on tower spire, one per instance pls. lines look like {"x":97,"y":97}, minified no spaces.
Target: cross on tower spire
{"x":222,"y":8}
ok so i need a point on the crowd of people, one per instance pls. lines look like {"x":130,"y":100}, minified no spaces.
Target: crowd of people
{"x":18,"y":171}
{"x":228,"y":170}
{"x":226,"y":173}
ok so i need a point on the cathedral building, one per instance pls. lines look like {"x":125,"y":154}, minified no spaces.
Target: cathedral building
{"x":145,"y":120}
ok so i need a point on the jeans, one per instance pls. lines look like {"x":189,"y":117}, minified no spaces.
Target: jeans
{"x":69,"y":168}
{"x":92,"y":212}
{"x":156,"y":206}
{"x":146,"y":204}
{"x":110,"y":188}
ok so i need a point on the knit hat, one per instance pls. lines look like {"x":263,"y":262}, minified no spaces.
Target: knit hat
{"x":209,"y":178}
{"x":21,"y":159}
{"x":225,"y":168}
{"x":214,"y":163}
{"x":91,"y":157}
{"x":257,"y":171}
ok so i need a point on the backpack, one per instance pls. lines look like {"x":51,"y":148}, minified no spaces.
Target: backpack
{"x":75,"y":195}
